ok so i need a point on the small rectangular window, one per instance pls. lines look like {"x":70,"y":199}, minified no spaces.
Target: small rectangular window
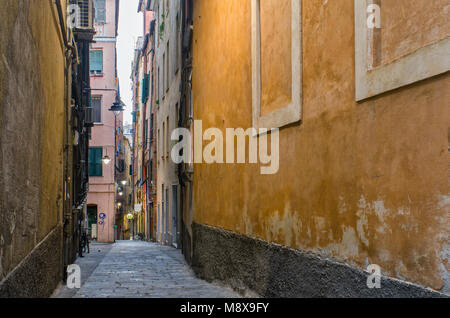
{"x":158,"y":146}
{"x":163,"y":142}
{"x":168,"y":74}
{"x":167,"y":137}
{"x":97,"y":106}
{"x":151,"y":170}
{"x":100,"y":11}
{"x":95,"y":162}
{"x":96,"y":62}
{"x":145,"y":134}
{"x":158,"y":82}
{"x":151,"y":127}
{"x":164,"y":75}
{"x":145,"y":88}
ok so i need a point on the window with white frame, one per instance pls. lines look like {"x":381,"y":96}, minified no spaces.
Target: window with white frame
{"x":276,"y":39}
{"x":96,"y":62}
{"x":100,"y":11}
{"x":397,"y":44}
{"x":97,"y":107}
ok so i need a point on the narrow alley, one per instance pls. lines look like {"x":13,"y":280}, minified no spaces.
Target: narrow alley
{"x":137,"y":269}
{"x":224,"y":149}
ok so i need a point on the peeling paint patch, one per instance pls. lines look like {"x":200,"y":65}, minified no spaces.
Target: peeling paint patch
{"x":380,"y":210}
{"x":247,"y":223}
{"x":362,"y":224}
{"x":349,"y":244}
{"x":342,"y":207}
{"x":283,"y":229}
{"x":320,"y":223}
{"x":444,"y":204}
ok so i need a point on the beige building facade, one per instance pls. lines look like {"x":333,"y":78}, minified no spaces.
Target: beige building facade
{"x":168,"y":80}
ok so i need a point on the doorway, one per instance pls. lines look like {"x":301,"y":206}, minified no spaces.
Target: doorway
{"x":174,"y":215}
{"x":92,"y":212}
{"x":167,"y":217}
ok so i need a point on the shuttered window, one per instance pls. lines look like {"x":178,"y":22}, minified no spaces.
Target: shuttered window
{"x":96,"y":62}
{"x":100,"y":11}
{"x":145,"y":88}
{"x":95,"y":162}
{"x":151,"y":127}
{"x":97,"y":106}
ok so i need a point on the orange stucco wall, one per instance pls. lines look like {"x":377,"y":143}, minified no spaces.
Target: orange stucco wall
{"x":360,"y":182}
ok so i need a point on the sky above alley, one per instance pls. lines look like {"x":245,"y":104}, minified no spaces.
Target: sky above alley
{"x":130,"y":28}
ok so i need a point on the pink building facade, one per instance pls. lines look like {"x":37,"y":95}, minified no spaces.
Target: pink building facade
{"x":104,"y":87}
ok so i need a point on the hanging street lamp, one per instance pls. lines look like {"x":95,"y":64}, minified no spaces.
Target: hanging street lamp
{"x":106,"y":160}
{"x":117,"y":107}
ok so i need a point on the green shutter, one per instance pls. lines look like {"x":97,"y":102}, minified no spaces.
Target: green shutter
{"x":99,"y":162}
{"x":91,"y":162}
{"x":95,"y":162}
{"x":96,"y":60}
{"x":145,"y":88}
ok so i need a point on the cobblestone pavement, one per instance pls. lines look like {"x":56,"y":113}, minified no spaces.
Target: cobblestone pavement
{"x":135,"y":269}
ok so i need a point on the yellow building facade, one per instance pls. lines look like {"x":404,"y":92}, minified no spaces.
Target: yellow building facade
{"x":363,"y":139}
{"x":41,"y":146}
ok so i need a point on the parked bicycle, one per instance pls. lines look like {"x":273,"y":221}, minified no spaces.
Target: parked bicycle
{"x":139,"y":237}
{"x":84,"y":243}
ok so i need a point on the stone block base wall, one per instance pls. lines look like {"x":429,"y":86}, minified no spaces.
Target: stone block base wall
{"x":39,"y":273}
{"x":271,"y":270}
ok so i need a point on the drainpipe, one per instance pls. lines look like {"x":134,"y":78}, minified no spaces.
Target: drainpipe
{"x":61,"y":21}
{"x":62,"y":26}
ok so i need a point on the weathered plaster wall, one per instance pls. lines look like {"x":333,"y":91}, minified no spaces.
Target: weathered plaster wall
{"x":31,"y":132}
{"x":365,"y":183}
{"x":167,"y":118}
